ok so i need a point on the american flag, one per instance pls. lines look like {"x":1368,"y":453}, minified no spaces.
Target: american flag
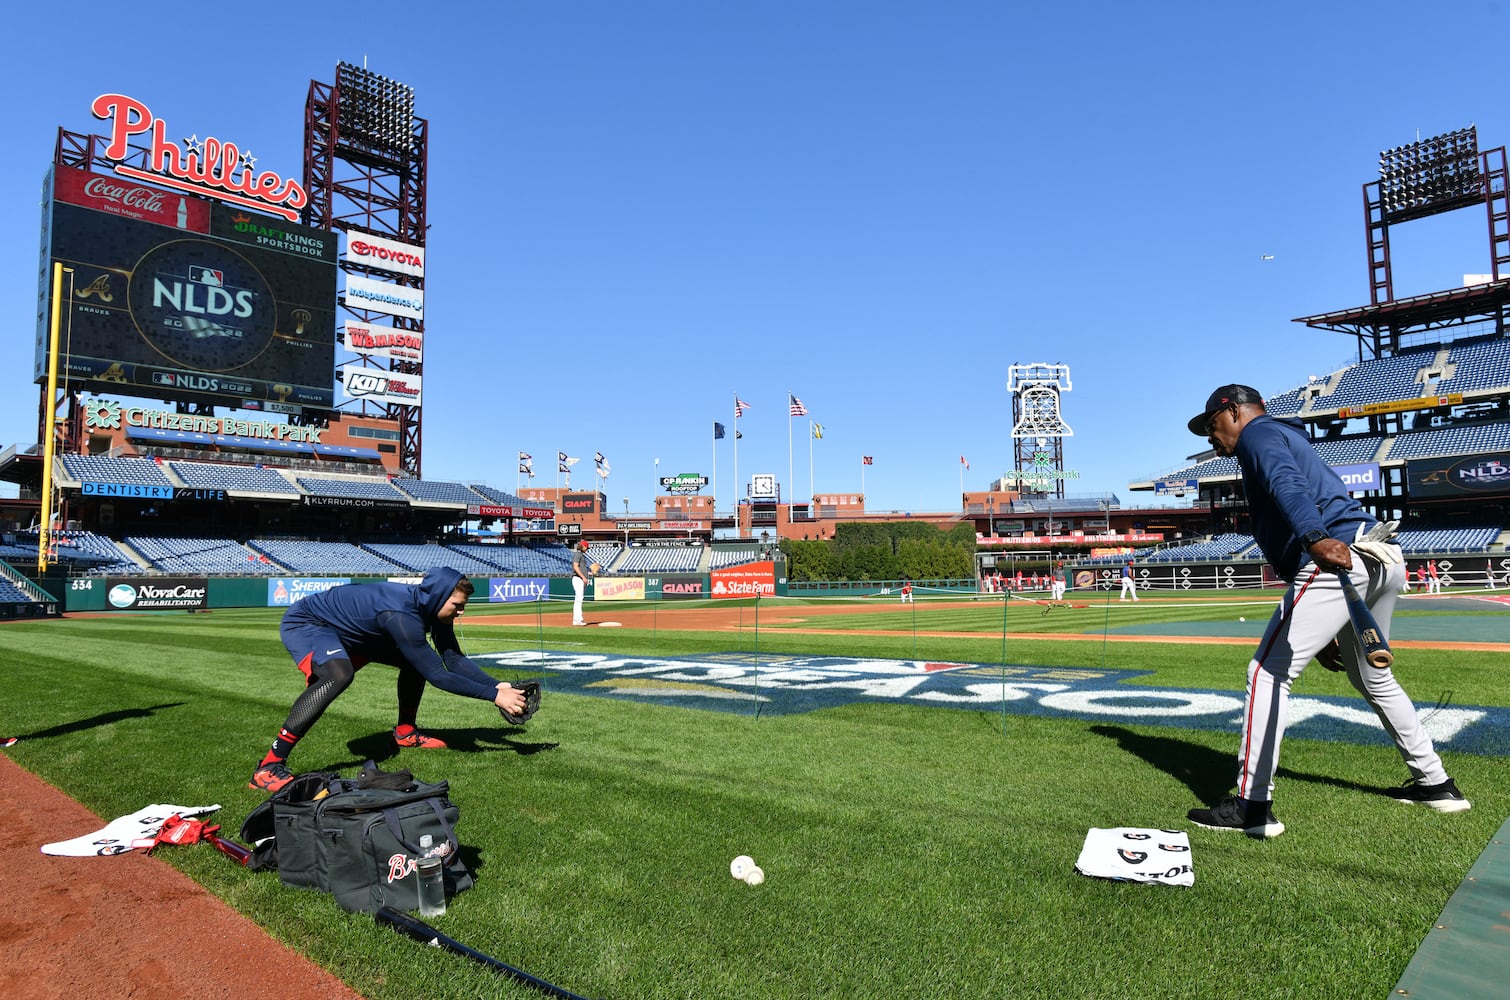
{"x":963,"y":462}
{"x":740,"y":406}
{"x":868,"y":460}
{"x":798,"y":410}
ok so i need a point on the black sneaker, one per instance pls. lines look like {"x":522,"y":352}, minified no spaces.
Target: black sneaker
{"x":1256,"y":819}
{"x":1444,"y":798}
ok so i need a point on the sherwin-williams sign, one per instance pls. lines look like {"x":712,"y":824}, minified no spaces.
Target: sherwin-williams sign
{"x":284,"y":590}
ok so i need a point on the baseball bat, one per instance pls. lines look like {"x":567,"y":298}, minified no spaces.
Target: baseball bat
{"x":1376,"y":649}
{"x":425,"y":934}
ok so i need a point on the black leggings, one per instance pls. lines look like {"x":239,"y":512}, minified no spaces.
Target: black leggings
{"x":326,"y":682}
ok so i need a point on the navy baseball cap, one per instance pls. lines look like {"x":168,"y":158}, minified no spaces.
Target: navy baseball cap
{"x":1222,"y":398}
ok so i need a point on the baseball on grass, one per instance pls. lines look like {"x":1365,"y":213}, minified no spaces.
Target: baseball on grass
{"x":1241,"y":618}
{"x":740,"y":866}
{"x":755,"y":876}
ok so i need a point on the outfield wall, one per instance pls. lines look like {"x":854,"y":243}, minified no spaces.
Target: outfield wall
{"x":186,"y":593}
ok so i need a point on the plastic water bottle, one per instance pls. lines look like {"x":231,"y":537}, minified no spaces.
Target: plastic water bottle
{"x":432,"y":885}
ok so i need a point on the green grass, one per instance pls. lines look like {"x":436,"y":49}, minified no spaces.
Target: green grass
{"x":907,"y":850}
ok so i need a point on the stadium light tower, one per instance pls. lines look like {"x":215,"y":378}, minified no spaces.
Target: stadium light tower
{"x":366,"y":169}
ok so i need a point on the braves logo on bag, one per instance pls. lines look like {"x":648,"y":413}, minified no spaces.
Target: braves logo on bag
{"x":400,"y":866}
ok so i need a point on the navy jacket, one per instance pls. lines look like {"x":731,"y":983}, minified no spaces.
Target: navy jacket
{"x":387,"y":622}
{"x":1292,"y":492}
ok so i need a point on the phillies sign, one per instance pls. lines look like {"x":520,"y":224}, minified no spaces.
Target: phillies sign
{"x":206,"y":166}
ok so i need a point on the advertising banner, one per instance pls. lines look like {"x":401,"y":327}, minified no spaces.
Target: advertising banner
{"x":681,"y":585}
{"x":514,"y":589}
{"x":1464,"y":475}
{"x":181,"y":298}
{"x":685,"y":482}
{"x":618,"y":588}
{"x":504,"y":510}
{"x":284,"y":591}
{"x":384,"y":297}
{"x":1359,"y":478}
{"x":579,"y":503}
{"x":378,"y":340}
{"x":379,"y":386}
{"x":385,"y":254}
{"x":748,"y":580}
{"x":125,"y":593}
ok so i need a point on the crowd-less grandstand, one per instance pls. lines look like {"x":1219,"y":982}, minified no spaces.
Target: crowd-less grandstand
{"x":1419,"y":426}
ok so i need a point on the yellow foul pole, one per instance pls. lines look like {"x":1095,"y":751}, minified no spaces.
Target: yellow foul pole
{"x":44,"y":532}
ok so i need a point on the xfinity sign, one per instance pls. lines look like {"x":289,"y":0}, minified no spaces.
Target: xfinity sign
{"x":513,"y":590}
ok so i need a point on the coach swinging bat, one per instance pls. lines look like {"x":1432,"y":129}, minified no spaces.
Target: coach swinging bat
{"x":1375,"y":647}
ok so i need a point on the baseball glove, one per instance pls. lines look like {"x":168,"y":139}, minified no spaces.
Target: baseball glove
{"x":531,"y":691}
{"x":595,"y":567}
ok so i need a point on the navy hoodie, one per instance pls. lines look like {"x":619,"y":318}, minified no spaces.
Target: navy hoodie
{"x":387,"y":622}
{"x":1292,"y":492}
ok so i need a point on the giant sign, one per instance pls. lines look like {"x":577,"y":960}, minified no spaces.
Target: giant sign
{"x":177,"y":298}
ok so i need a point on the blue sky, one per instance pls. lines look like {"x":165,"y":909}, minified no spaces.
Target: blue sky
{"x":640,"y":210}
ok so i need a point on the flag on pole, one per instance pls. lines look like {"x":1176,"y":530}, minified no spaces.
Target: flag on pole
{"x":568,"y":461}
{"x":718,"y":431}
{"x":603,"y":469}
{"x":560,"y":456}
{"x":524,"y":467}
{"x":562,"y":467}
{"x":818,"y":431}
{"x":868,"y":460}
{"x":598,"y":457}
{"x":740,"y":406}
{"x":739,"y":435}
{"x":963,"y":462}
{"x":798,"y":410}
{"x":525,"y":456}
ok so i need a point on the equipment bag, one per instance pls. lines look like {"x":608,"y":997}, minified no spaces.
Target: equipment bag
{"x":361,"y":844}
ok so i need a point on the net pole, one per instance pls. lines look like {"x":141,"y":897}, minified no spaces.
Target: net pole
{"x":1004,"y":601}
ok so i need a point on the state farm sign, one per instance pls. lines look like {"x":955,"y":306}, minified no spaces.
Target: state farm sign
{"x":757,"y":579}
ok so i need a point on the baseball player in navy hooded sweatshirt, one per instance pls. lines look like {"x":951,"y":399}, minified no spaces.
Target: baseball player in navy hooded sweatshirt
{"x":333,"y":634}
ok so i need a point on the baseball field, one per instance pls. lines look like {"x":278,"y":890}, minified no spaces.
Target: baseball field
{"x":915,"y":780}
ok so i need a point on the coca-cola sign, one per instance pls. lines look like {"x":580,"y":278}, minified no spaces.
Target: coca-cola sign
{"x":131,"y":200}
{"x":205,"y":166}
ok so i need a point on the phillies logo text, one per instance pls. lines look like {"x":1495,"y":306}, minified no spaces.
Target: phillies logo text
{"x":206,"y":167}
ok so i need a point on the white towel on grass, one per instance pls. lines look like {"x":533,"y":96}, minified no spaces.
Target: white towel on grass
{"x":1131,"y":854}
{"x":124,"y":834}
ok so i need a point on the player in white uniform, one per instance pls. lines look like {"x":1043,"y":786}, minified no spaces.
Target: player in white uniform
{"x":1310,"y":528}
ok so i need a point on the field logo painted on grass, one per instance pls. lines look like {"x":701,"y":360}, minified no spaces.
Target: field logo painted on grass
{"x":734,"y":682}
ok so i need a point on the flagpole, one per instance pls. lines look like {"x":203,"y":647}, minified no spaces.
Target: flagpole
{"x":737,"y":532}
{"x":715,"y":472}
{"x":862,"y":478}
{"x":810,"y":486}
{"x":789,"y":484}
